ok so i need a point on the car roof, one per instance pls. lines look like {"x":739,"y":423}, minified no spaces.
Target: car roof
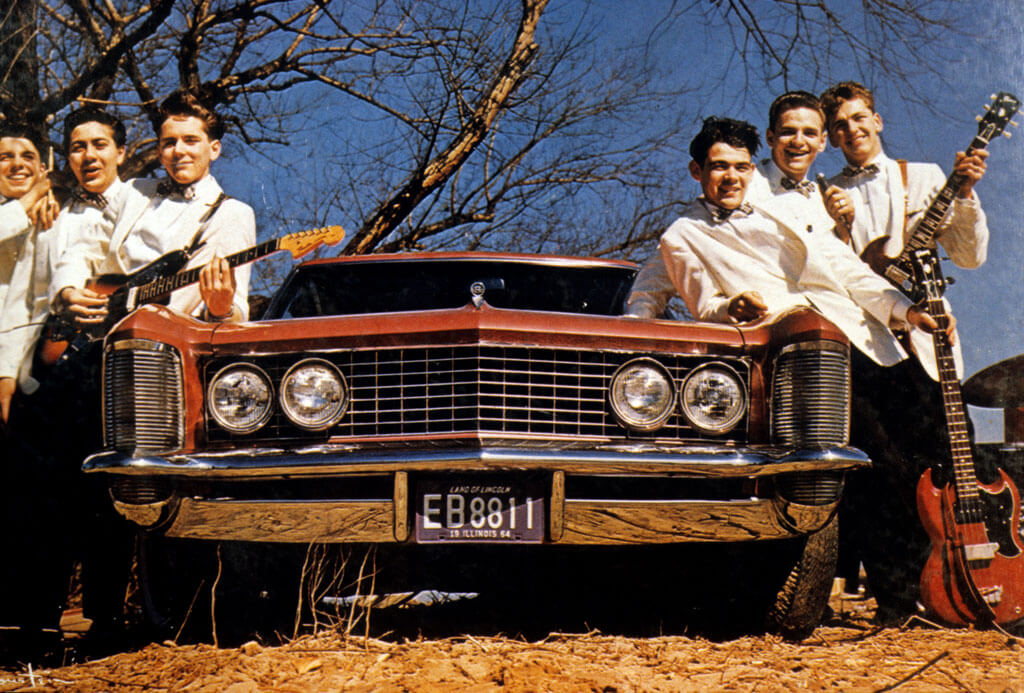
{"x":566,"y":260}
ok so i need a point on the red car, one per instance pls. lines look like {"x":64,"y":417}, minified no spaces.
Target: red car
{"x":473,"y":398}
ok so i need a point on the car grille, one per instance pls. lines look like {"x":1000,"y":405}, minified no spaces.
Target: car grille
{"x":142,"y":397}
{"x":811,"y":395}
{"x":478,"y":388}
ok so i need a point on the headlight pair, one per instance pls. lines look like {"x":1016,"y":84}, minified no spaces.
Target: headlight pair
{"x":313,"y":395}
{"x":643,"y":395}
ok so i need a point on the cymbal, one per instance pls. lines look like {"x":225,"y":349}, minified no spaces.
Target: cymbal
{"x":1000,"y":385}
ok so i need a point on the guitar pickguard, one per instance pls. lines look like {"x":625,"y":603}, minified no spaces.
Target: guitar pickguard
{"x":997,"y":509}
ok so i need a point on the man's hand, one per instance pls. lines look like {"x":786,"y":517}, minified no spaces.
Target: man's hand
{"x":85,"y":305}
{"x":217,"y":288}
{"x":7,"y":388}
{"x":839,"y":205}
{"x":972,"y":167}
{"x":44,"y":212}
{"x":747,"y":306}
{"x":919,"y":317}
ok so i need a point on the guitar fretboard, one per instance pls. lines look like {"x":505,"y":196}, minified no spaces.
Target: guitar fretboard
{"x":924,"y":233}
{"x":165,"y":285}
{"x":969,"y":506}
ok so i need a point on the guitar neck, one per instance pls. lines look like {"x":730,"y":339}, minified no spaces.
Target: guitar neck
{"x":924,"y":233}
{"x":965,"y":478}
{"x":166,"y":285}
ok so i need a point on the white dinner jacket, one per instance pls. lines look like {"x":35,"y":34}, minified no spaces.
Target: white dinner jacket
{"x":709,"y":264}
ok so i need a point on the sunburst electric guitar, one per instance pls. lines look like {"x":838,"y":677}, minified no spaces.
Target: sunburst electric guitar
{"x":899,"y":270}
{"x":975,"y":572}
{"x":126,"y":292}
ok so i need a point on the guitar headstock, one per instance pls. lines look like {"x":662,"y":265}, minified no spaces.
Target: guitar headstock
{"x":928,"y":279}
{"x":302,"y":242}
{"x":998,"y":115}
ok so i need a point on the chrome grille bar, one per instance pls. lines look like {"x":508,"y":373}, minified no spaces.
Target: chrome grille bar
{"x":485,"y":388}
{"x":811,"y":395}
{"x":142,"y":397}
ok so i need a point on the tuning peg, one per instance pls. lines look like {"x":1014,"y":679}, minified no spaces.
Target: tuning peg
{"x":992,"y":97}
{"x":977,"y":118}
{"x":986,"y":107}
{"x":1014,"y":123}
{"x":1007,"y":135}
{"x":950,"y":281}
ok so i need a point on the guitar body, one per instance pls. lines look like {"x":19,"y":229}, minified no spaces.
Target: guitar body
{"x":61,"y":330}
{"x":875,"y":257}
{"x":963,"y":585}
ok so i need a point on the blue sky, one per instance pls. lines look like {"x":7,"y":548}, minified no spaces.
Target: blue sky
{"x":986,"y":301}
{"x":929,"y":124}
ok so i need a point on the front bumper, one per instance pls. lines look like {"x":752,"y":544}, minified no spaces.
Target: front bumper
{"x":190,"y":496}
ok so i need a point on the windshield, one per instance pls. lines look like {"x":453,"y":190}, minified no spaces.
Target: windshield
{"x":392,"y":286}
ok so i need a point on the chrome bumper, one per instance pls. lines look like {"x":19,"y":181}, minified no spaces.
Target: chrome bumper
{"x":570,"y":520}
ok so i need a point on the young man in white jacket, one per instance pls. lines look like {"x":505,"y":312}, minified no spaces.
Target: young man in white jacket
{"x":733,"y":261}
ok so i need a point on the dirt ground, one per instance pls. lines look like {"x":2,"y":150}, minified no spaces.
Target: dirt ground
{"x":847,"y":653}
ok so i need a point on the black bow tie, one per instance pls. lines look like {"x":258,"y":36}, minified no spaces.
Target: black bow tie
{"x":804,"y":187}
{"x":168,"y":187}
{"x":854,"y":171}
{"x":721,"y":214}
{"x":89,"y":198}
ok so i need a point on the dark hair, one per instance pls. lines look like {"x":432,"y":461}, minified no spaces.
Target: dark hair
{"x":791,"y":100}
{"x":833,"y":97}
{"x":9,"y":128}
{"x":91,"y":114}
{"x":185,"y":103}
{"x":735,"y":133}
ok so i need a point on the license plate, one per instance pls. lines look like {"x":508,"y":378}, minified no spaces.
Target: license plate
{"x":479,"y":509}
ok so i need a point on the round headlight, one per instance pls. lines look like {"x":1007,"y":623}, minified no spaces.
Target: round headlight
{"x":713,"y":399}
{"x":642,"y":394}
{"x":313,"y":394}
{"x":239,"y":398}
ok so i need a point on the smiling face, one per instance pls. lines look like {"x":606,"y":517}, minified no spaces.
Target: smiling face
{"x":725,"y":175}
{"x":798,"y":137}
{"x":94,"y":156}
{"x":186,"y":150}
{"x":856,"y":129}
{"x":20,"y":166}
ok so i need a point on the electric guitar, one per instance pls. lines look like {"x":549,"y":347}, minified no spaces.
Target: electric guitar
{"x":975,"y":572}
{"x":899,"y":270}
{"x":63,"y":336}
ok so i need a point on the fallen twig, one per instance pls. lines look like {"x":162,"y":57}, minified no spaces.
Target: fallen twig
{"x":914,"y":673}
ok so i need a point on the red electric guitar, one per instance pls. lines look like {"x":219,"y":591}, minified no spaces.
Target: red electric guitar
{"x":975,"y":573}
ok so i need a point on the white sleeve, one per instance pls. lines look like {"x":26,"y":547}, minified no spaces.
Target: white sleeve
{"x":697,"y":289}
{"x":652,"y":290}
{"x":868,"y":290}
{"x":83,"y":253}
{"x":13,"y":220}
{"x":16,"y":331}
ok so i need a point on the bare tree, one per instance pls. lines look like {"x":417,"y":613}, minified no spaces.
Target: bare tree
{"x":439,"y":123}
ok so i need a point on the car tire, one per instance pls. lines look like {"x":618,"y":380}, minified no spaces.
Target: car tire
{"x":801,"y":601}
{"x":257,"y":587}
{"x":175,"y":576}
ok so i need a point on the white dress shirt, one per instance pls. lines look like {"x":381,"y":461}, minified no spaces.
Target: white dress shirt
{"x":87,"y":238}
{"x":881,"y":199}
{"x":712,"y":261}
{"x":152,"y":225}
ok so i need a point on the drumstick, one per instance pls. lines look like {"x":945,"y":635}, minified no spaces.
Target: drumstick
{"x":49,"y":168}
